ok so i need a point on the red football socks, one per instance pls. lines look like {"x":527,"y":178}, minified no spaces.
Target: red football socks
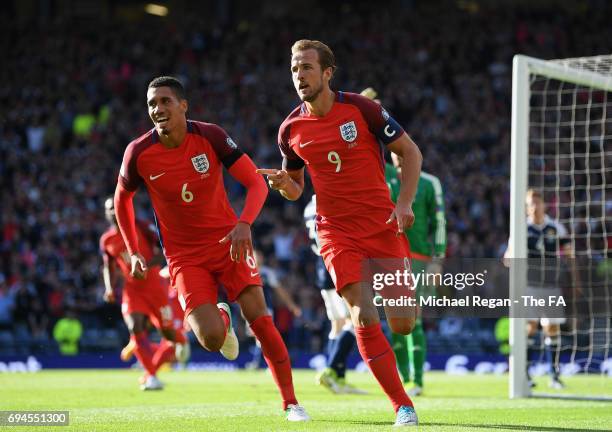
{"x":378,"y":355}
{"x":144,"y":352}
{"x":277,"y":357}
{"x":226,"y":320}
{"x":163,"y":354}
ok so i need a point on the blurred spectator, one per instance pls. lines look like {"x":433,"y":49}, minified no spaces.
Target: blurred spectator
{"x":67,"y":333}
{"x":7,"y":304}
{"x":283,"y":246}
{"x":502,"y":335}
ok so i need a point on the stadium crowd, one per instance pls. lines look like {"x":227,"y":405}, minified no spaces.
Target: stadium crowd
{"x":72,"y":99}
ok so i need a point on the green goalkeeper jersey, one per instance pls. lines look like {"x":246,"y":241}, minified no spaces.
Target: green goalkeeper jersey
{"x":393,"y":182}
{"x":428,"y":234}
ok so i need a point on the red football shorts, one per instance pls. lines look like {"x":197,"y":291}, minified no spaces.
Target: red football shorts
{"x":198,"y":283}
{"x":151,"y":300}
{"x":344,"y":255}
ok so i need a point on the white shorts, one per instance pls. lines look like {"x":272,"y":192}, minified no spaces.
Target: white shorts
{"x":334,"y":305}
{"x":552,"y":321}
{"x":548,"y":321}
{"x":557,"y":312}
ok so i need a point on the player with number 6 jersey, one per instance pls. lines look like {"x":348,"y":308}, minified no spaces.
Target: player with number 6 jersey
{"x":181,"y":164}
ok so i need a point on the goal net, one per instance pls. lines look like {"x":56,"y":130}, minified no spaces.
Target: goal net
{"x":562,"y":148}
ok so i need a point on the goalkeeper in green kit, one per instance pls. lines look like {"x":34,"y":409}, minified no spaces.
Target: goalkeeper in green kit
{"x":427,"y":244}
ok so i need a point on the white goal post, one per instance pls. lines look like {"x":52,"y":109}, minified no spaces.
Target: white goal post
{"x":577,"y":94}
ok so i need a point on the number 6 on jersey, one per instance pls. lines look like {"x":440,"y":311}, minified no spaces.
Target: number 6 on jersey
{"x":334,"y":158}
{"x":186,"y":195}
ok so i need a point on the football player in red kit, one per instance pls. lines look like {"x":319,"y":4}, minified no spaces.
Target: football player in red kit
{"x":141,"y":299}
{"x":181,"y":164}
{"x":337,"y":135}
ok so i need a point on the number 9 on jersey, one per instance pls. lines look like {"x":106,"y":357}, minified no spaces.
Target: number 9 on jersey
{"x":334,"y":158}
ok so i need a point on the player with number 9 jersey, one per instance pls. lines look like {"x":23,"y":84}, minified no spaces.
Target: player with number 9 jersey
{"x":337,"y":136}
{"x":346,"y":164}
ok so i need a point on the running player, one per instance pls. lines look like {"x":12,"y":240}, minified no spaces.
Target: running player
{"x":142,"y":299}
{"x":179,"y":323}
{"x":181,"y":164}
{"x":336,"y":135}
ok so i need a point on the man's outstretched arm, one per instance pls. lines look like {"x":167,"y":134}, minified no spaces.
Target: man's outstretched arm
{"x":124,"y":212}
{"x":411,"y":170}
{"x":244,"y":170}
{"x":290,"y":183}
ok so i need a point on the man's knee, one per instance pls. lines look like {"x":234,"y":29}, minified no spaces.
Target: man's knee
{"x":214,"y":342}
{"x":211,"y":341}
{"x":363,"y":317}
{"x":402,"y":326}
{"x":208,"y":327}
{"x":362,"y":309}
{"x":135,"y":323}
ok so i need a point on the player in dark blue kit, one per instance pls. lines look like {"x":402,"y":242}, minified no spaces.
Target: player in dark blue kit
{"x":342,"y":334}
{"x":547,"y":239}
{"x":547,"y":243}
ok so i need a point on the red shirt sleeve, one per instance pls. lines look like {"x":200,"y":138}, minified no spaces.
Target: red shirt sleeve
{"x":257,"y":190}
{"x":224,"y":146}
{"x":128,"y":174}
{"x":291,"y":161}
{"x":124,"y":211}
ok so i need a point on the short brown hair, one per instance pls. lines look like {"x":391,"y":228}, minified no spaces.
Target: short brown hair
{"x":326,"y":56}
{"x":533,"y":193}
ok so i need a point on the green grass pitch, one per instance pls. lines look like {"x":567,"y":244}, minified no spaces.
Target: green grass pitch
{"x":101,"y":400}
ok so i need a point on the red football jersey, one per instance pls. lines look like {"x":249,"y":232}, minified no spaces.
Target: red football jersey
{"x":345,"y":160}
{"x":186,"y":188}
{"x":113,"y":247}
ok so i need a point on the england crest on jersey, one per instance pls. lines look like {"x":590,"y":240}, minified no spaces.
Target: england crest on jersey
{"x":348,"y":131}
{"x":200,"y":163}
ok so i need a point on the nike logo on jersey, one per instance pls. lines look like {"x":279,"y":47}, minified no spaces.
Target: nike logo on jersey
{"x":302,"y":145}
{"x":152,"y":177}
{"x":254,"y":273}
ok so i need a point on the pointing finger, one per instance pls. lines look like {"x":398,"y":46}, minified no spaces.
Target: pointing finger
{"x":267,"y":171}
